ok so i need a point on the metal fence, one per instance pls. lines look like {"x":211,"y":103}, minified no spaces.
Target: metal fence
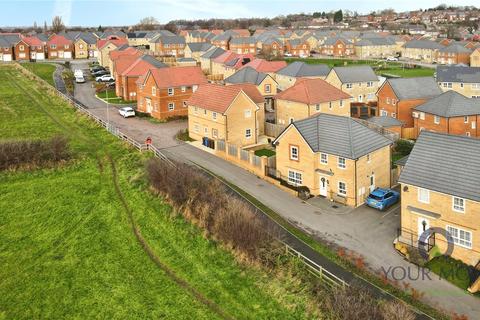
{"x":244,"y":155}
{"x":221,"y":145}
{"x":232,"y":150}
{"x":256,"y":161}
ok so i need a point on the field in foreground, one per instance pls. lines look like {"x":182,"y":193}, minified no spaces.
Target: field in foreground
{"x":67,"y":249}
{"x":43,"y":70}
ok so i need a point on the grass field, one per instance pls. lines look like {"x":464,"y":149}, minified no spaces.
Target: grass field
{"x":43,"y":70}
{"x":112,"y":97}
{"x":380,"y":67}
{"x":67,"y":249}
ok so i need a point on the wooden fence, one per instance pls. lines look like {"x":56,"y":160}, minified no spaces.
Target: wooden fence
{"x":273,"y":130}
{"x":409,"y":133}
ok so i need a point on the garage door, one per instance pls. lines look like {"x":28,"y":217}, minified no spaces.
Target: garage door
{"x":40,"y":56}
{"x":67,"y":55}
{"x":7,"y":57}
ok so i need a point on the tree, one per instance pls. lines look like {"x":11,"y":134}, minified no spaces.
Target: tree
{"x":338,"y":16}
{"x":57,"y":24}
{"x":147,"y":23}
{"x":172,"y":27}
{"x":317,"y":15}
{"x":45,"y":28}
{"x":100,"y":28}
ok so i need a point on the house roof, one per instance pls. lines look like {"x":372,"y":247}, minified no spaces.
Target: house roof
{"x":88,"y":37}
{"x":33,"y":41}
{"x":445,"y":163}
{"x":4,"y":43}
{"x":332,"y":40}
{"x":59,"y":40}
{"x":312,"y":91}
{"x":140,"y":66}
{"x":225,"y":56}
{"x":385,"y":121}
{"x":117,"y":42}
{"x":458,"y":74}
{"x":247,"y":75}
{"x":422,"y":44}
{"x":176,"y":76}
{"x":455,"y":48}
{"x":213,"y":53}
{"x":340,"y":136}
{"x":243,"y":40}
{"x":199,"y":46}
{"x":262,"y":65}
{"x":355,"y":74}
{"x":378,"y":41}
{"x":414,"y":88}
{"x":11,"y":38}
{"x":301,"y":69}
{"x":169,"y":39}
{"x":123,"y":61}
{"x":451,"y":104}
{"x":218,"y":98}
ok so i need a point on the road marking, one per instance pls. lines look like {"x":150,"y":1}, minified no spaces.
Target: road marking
{"x":390,"y":211}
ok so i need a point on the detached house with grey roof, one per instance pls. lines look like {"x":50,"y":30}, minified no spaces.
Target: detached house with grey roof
{"x":168,"y":45}
{"x":360,"y":82}
{"x":440,"y":186}
{"x":265,"y":83}
{"x":196,"y":49}
{"x":243,"y":45}
{"x":462,"y":79}
{"x":335,"y":157}
{"x":287,"y":76}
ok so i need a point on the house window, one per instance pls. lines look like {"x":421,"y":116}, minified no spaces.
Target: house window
{"x":154,"y":91}
{"x":369,"y":84}
{"x":195,"y":110}
{"x":194,"y":88}
{"x":205,"y":131}
{"x":196,"y":128}
{"x":458,"y":204}
{"x":394,"y":115}
{"x":294,"y":153}
{"x":22,"y":48}
{"x":341,"y":103}
{"x":248,"y":133}
{"x":294,"y":177}
{"x":388,"y":100}
{"x":384,"y":113}
{"x":422,"y":115}
{"x":184,"y":88}
{"x":436,"y":119}
{"x":184,"y":104}
{"x":330,"y":105}
{"x":171,"y":91}
{"x":423,"y":195}
{"x":268,"y":88}
{"x":248,"y":113}
{"x":67,"y":46}
{"x":171,"y":106}
{"x":461,"y":237}
{"x":476,"y":86}
{"x":461,"y":85}
{"x":317,"y":107}
{"x":214,"y":115}
{"x":465,"y":119}
{"x":53,"y":46}
{"x":342,"y":188}
{"x":323,"y":158}
{"x":342,"y":163}
{"x":348,"y":86}
{"x":394,"y":102}
{"x":467,"y":134}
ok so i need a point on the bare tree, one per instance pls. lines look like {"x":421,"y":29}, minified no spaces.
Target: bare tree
{"x":172,"y":27}
{"x":147,"y":23}
{"x":45,"y":28}
{"x":57,"y":24}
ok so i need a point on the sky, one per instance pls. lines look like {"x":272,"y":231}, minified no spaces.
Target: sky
{"x":128,"y":12}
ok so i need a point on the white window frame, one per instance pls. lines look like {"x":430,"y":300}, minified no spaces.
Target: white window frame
{"x":171,"y":91}
{"x":341,"y":103}
{"x":317,"y":107}
{"x":458,"y":207}
{"x":248,"y":133}
{"x":436,"y":119}
{"x":248,"y":113}
{"x":342,"y":162}
{"x":323,"y":158}
{"x":342,"y":191}
{"x":465,"y":119}
{"x":423,"y":195}
{"x":154,"y":91}
{"x":214,"y":115}
{"x":184,"y":88}
{"x":348,"y":85}
{"x":456,"y":234}
{"x":171,"y":106}
{"x":295,"y":177}
{"x":294,"y":155}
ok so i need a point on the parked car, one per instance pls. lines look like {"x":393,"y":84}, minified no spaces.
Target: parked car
{"x":288,"y":54}
{"x":96,"y":69}
{"x":100,"y":73}
{"x":382,"y":198}
{"x":79,"y":79}
{"x":78,"y":73}
{"x":392,"y":59}
{"x":127,"y":112}
{"x":104,"y":78}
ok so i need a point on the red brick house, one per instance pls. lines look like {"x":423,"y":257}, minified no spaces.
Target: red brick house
{"x":59,"y":47}
{"x":21,"y":51}
{"x":337,"y":47}
{"x":163,"y":92}
{"x":450,"y":113}
{"x":36,"y":47}
{"x":262,"y":65}
{"x":298,"y":47}
{"x":127,"y":86}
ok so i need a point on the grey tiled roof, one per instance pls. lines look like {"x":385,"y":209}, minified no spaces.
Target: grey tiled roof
{"x":169,"y":39}
{"x":88,"y":37}
{"x":385,"y":121}
{"x":4,"y":43}
{"x":247,"y":75}
{"x":243,"y":40}
{"x":455,"y":48}
{"x":341,"y":136}
{"x":414,"y":88}
{"x":213,"y":53}
{"x":11,"y":39}
{"x":451,"y":104}
{"x":375,"y":42}
{"x":355,"y":74}
{"x":402,"y":161}
{"x":154,"y":62}
{"x":302,"y":69}
{"x":331,"y":40}
{"x":445,"y":163}
{"x":199,"y":46}
{"x":458,"y":74}
{"x":422,"y":44}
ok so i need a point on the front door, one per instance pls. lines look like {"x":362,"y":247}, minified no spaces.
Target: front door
{"x":372,"y":182}
{"x":323,"y":186}
{"x":423,"y":225}
{"x":149,"y":105}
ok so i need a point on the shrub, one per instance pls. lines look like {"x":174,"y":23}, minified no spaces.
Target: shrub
{"x":404,"y":147}
{"x":15,"y":154}
{"x":396,"y":310}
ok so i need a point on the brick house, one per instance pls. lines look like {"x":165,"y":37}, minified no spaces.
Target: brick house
{"x":274,"y":46}
{"x":232,"y":113}
{"x":454,"y":54}
{"x":464,"y":80}
{"x":440,"y":186}
{"x":424,"y":50}
{"x":337,"y":47}
{"x":105,"y":46}
{"x":196,"y":49}
{"x":243,"y":45}
{"x":308,"y":97}
{"x":360,"y":82}
{"x":206,"y":59}
{"x":173,"y":46}
{"x":330,"y":156}
{"x":450,"y":113}
{"x":163,"y":92}
{"x":297,"y":47}
{"x":127,"y":86}
{"x":397,"y":97}
{"x":60,"y":47}
{"x":287,"y":76}
{"x":8,"y":42}
{"x":262,"y":65}
{"x":21,"y":50}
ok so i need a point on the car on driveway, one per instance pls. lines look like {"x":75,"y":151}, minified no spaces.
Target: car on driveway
{"x":96,"y":68}
{"x":100,"y":73}
{"x":392,"y":59}
{"x":127,"y":112}
{"x":79,"y":79}
{"x":382,"y":198}
{"x":104,"y":78}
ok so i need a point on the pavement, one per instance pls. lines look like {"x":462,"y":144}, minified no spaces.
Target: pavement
{"x":365,"y":231}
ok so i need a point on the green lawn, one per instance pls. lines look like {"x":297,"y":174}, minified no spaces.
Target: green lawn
{"x":67,"y":249}
{"x":112,"y":97}
{"x":380,"y":67}
{"x":43,"y":70}
{"x":452,"y":270}
{"x":264,"y":152}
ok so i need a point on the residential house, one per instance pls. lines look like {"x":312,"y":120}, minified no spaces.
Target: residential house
{"x":464,"y":80}
{"x":127,"y":86}
{"x":173,"y":46}
{"x":475,"y":58}
{"x":337,"y":47}
{"x":121,"y":60}
{"x":14,"y":48}
{"x":381,"y":47}
{"x":222,"y":40}
{"x":36,"y":47}
{"x":262,"y":65}
{"x":228,"y":62}
{"x":232,"y":113}
{"x":297,"y":47}
{"x":453,"y":54}
{"x":60,"y":47}
{"x":398,"y":96}
{"x":450,"y":113}
{"x":388,"y":123}
{"x":163,"y":92}
{"x":360,"y":82}
{"x":243,"y":45}
{"x":85,"y":46}
{"x":206,"y":59}
{"x":423,"y":50}
{"x":272,"y":46}
{"x":196,"y":49}
{"x":287,"y":76}
{"x":440,"y":188}
{"x":6,"y":50}
{"x":21,"y":50}
{"x":105,"y":46}
{"x":308,"y":97}
{"x":335,"y":157}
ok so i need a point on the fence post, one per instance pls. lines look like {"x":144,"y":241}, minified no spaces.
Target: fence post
{"x":250,"y":156}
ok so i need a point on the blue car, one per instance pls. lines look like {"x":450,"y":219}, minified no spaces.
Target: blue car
{"x":382,"y":198}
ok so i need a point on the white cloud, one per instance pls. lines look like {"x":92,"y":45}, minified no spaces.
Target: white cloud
{"x":63,"y":8}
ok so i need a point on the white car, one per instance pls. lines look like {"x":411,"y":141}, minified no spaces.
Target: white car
{"x":104,"y":78}
{"x":288,"y":55}
{"x":78,"y":73}
{"x":127,"y":112}
{"x":392,"y":59}
{"x":79,"y":79}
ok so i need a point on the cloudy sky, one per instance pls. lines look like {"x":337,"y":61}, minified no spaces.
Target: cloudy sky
{"x":125,"y":12}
